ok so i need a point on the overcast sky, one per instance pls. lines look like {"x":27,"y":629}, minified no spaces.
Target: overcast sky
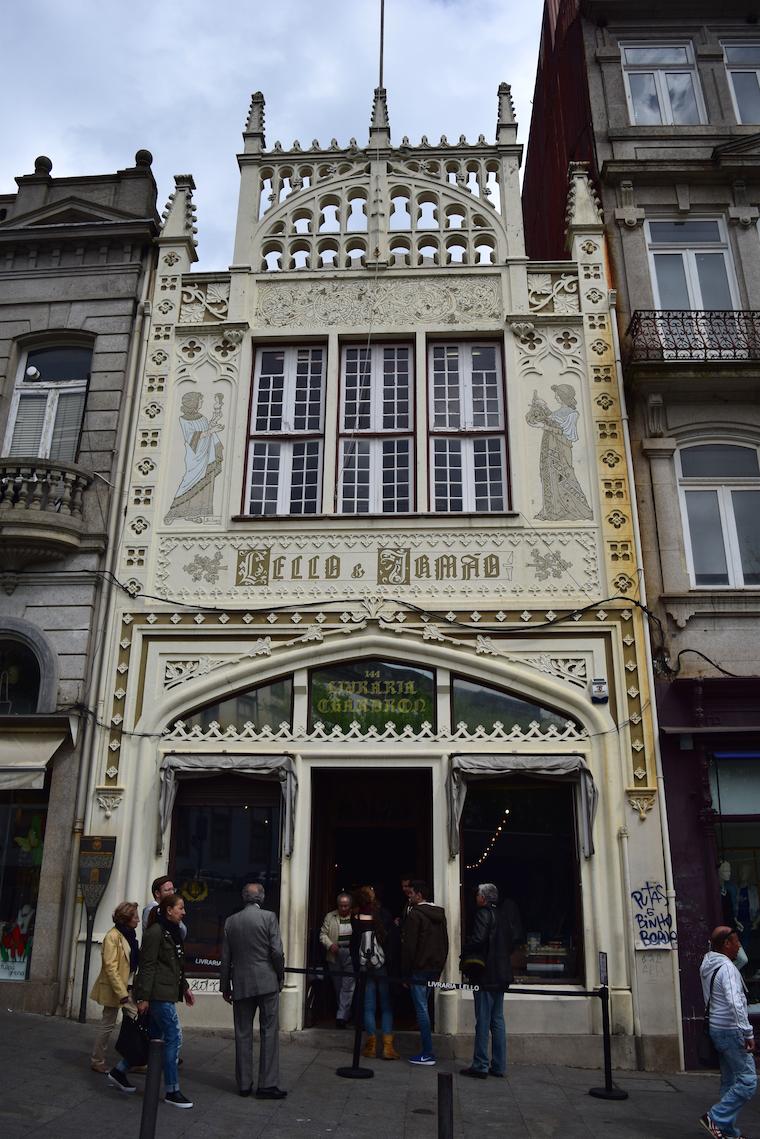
{"x":90,"y":83}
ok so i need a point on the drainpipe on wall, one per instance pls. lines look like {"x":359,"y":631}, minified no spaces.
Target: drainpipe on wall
{"x":116,"y":513}
{"x":667,"y":860}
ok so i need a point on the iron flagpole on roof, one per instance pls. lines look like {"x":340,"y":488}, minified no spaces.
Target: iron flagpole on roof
{"x":382,"y":40}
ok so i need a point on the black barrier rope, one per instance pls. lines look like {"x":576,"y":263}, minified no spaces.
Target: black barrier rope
{"x":609,"y":1091}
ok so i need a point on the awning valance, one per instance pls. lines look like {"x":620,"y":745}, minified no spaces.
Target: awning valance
{"x":27,"y":744}
{"x":466,"y":767}
{"x":279,"y":767}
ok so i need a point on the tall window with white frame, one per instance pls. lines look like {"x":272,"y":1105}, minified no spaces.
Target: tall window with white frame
{"x":691,"y":264}
{"x":720,"y":489}
{"x":47,"y":406}
{"x":743,"y":69}
{"x":286,"y":431}
{"x":376,"y":442}
{"x":661,"y":84}
{"x":468,"y":445}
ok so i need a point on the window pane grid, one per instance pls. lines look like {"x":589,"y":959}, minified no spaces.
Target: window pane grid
{"x":396,"y":475}
{"x":447,"y":472}
{"x":447,"y":410}
{"x":488,"y":474}
{"x":271,"y":392}
{"x":723,"y":519}
{"x":396,"y":411}
{"x":355,"y":481}
{"x":357,"y":408}
{"x":486,"y":389}
{"x":304,"y":486}
{"x":265,"y":474}
{"x":307,"y":414}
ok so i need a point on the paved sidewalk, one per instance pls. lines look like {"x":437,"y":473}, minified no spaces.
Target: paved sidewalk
{"x":47,"y":1089}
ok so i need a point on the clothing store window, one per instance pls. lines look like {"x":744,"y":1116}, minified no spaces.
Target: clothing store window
{"x":743,"y":69}
{"x":661,"y":84}
{"x":477,"y":705}
{"x":520,"y":834}
{"x":735,"y":791}
{"x":225,"y":833}
{"x":47,"y":405}
{"x":263,"y":706}
{"x":22,"y":835}
{"x":286,"y":432}
{"x":720,"y":488}
{"x":468,"y":445}
{"x":372,"y":693}
{"x":19,"y":679}
{"x":376,"y":425}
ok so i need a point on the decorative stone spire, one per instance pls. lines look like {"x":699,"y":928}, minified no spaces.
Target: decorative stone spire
{"x":179,"y":218}
{"x":380,"y":128}
{"x":583,"y":213}
{"x":506,"y":123}
{"x":253,"y":135}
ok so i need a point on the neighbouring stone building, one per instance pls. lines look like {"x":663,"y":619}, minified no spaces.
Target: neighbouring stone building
{"x":380,"y":541}
{"x":663,"y":102}
{"x":74,"y":277}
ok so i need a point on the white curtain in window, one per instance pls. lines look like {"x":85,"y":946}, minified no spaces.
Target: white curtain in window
{"x":278,"y":767}
{"x":466,"y":767}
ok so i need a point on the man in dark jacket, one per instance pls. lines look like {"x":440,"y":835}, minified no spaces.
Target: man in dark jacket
{"x":424,"y":949}
{"x":491,"y":941}
{"x":251,"y":977}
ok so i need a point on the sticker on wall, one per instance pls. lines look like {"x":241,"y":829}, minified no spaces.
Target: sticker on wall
{"x":563,"y":498}
{"x":194,"y":497}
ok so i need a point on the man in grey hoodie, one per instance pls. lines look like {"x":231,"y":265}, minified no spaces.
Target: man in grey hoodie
{"x":731,"y":1032}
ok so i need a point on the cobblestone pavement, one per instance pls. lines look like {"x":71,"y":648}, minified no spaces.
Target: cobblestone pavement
{"x":47,"y":1089}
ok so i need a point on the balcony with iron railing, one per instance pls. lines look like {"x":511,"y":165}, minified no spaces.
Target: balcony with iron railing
{"x":41,"y":510}
{"x":693,"y":337}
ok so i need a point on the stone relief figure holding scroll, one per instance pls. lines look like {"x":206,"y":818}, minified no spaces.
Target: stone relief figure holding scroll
{"x":563,"y":498}
{"x":194,"y":498}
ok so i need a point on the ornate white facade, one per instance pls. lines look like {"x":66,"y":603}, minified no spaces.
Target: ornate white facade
{"x":349,"y":248}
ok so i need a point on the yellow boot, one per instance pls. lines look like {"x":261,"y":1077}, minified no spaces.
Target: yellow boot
{"x":389,"y":1052}
{"x":369,"y":1046}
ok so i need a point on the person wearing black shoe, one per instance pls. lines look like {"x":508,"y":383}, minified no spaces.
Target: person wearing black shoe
{"x":486,"y":961}
{"x":251,"y":977}
{"x":160,"y":984}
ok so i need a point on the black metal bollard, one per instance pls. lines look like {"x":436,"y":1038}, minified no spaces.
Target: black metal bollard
{"x":609,"y":1091}
{"x":356,"y":1072}
{"x":152,"y":1089}
{"x":445,"y":1105}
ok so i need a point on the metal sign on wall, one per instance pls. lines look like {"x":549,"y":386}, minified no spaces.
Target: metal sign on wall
{"x":96,"y":856}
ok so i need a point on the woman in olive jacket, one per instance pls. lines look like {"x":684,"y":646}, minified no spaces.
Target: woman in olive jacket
{"x":160,"y":983}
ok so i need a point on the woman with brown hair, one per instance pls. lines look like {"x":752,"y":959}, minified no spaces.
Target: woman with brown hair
{"x":112,"y":990}
{"x":160,"y":984}
{"x":369,"y":948}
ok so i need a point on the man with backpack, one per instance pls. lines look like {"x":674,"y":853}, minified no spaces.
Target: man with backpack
{"x":486,"y":961}
{"x":424,"y":949}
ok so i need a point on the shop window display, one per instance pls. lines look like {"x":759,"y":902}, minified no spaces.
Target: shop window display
{"x":520,"y":834}
{"x":226,"y":832}
{"x":22,"y":833}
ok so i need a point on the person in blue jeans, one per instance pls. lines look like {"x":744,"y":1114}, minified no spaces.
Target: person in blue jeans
{"x":490,"y":942}
{"x":370,"y":945}
{"x":731,"y":1032}
{"x":160,"y":984}
{"x":424,"y":949}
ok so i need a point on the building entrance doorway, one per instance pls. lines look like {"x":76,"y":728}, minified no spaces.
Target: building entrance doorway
{"x":368,"y":828}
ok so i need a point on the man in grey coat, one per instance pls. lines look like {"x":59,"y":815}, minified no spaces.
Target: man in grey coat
{"x":251,"y":978}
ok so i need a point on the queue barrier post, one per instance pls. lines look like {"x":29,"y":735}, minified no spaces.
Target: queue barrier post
{"x":609,"y":1091}
{"x":152,"y":1089}
{"x":445,"y":1105}
{"x":356,"y":1072}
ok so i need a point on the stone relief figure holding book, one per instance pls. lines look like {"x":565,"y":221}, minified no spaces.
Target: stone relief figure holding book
{"x":194,"y":498}
{"x":563,"y":498}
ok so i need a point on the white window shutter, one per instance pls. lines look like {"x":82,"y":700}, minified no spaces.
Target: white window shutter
{"x":27,"y":430}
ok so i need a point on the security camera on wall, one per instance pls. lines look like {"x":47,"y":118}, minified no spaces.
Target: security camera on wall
{"x":32,"y":374}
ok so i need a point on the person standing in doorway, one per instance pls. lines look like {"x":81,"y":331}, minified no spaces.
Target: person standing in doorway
{"x":335,"y":937}
{"x":424,"y":949}
{"x":252,"y":975}
{"x":161,"y":888}
{"x":723,"y":987}
{"x":160,"y":984}
{"x":370,"y":949}
{"x":491,"y":941}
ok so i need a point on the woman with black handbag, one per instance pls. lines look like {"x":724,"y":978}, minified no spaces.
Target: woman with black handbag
{"x":120,"y":955}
